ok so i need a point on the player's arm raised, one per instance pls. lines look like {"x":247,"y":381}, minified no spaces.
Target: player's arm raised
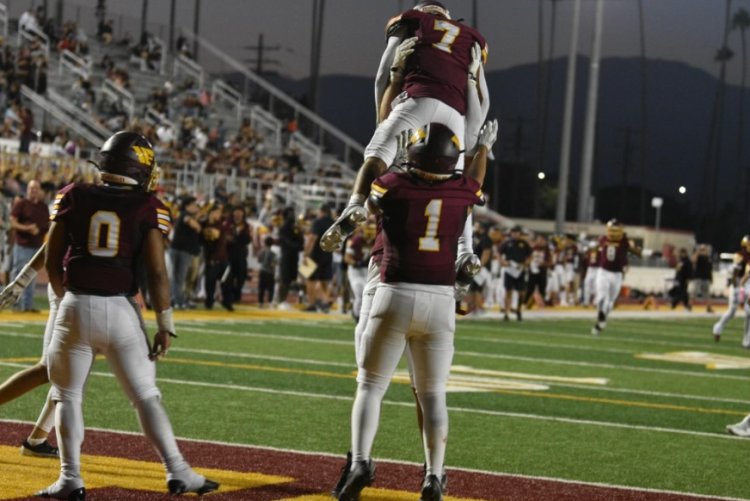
{"x":158,"y":287}
{"x":395,"y":34}
{"x":487,"y":137}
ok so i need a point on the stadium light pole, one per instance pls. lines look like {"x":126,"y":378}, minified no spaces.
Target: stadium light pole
{"x":144,"y":15}
{"x":196,"y":26}
{"x":587,"y":166}
{"x":656,"y":203}
{"x":171,"y":25}
{"x":562,"y":186}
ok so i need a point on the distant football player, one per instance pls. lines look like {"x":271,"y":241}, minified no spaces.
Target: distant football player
{"x":539,"y":264}
{"x":357,"y":258}
{"x":591,"y":263}
{"x":614,"y":248}
{"x":107,"y":229}
{"x":423,"y":215}
{"x":428,"y":57}
{"x":516,"y":255}
{"x":737,"y":292}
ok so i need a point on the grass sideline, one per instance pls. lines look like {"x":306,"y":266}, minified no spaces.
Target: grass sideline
{"x":541,"y":398}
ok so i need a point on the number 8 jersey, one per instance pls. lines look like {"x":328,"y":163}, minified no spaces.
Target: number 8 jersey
{"x":421,"y":225}
{"x":105,"y":230}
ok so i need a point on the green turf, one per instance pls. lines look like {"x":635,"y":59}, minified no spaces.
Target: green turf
{"x":290,"y":384}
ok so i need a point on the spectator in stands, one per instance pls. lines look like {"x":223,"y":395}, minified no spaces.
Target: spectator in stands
{"x":291,"y":243}
{"x":29,"y":218}
{"x":266,"y":275}
{"x":182,"y":46}
{"x":186,"y":245}
{"x":318,"y":283}
{"x":105,"y":31}
{"x":37,"y":80}
{"x":214,"y":235}
{"x":702,"y":275}
{"x":27,"y":134}
{"x":683,"y":273}
{"x":238,"y":251}
{"x":28,"y":21}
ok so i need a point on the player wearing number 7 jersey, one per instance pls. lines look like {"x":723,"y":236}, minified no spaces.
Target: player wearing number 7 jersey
{"x":614,"y":248}
{"x":423,"y":214}
{"x":98,"y":235}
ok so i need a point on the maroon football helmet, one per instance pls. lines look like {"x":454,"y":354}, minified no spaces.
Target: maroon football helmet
{"x":127,"y":159}
{"x":432,"y":7}
{"x":433,"y":152}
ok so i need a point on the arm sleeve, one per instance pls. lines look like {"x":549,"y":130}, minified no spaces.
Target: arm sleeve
{"x":384,"y":70}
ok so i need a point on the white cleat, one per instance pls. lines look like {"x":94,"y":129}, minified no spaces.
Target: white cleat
{"x":596,"y":330}
{"x":741,"y":429}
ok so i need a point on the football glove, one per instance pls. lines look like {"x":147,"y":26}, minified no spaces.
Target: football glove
{"x":352,"y":216}
{"x":488,"y":134}
{"x":476,"y":61}
{"x":10,"y":294}
{"x":403,"y":51}
{"x":402,"y":144}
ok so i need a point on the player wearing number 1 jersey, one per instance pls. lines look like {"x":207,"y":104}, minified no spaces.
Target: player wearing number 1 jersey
{"x":614,"y":248}
{"x":423,"y":215}
{"x":98,"y":235}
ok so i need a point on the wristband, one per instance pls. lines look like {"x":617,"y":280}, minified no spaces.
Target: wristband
{"x":165,"y":322}
{"x":357,"y":199}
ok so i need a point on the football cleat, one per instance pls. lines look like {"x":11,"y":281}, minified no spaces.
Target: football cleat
{"x":362,"y":475}
{"x":741,"y":429}
{"x":75,"y":495}
{"x":177,"y":487}
{"x":596,"y":330}
{"x":432,"y":489}
{"x":344,"y":476}
{"x":43,"y":450}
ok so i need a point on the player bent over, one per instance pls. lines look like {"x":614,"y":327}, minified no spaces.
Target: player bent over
{"x":613,"y":258}
{"x":107,"y":229}
{"x":28,"y":379}
{"x":423,"y":215}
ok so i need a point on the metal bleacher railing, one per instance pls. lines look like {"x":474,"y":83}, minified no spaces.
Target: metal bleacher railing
{"x":74,"y":64}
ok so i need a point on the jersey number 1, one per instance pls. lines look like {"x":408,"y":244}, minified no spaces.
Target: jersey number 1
{"x":104,"y":234}
{"x":428,"y":242}
{"x":450,"y":35}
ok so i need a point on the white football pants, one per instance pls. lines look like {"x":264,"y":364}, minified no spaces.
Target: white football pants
{"x":420,"y":318}
{"x":608,"y":284}
{"x":589,"y":285}
{"x":357,"y":279}
{"x":409,"y":113}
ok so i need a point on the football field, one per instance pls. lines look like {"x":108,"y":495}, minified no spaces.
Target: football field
{"x":538,"y":410}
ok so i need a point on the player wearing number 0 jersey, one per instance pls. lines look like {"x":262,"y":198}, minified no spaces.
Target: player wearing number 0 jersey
{"x":613,"y":258}
{"x":423,"y":215}
{"x":108,"y":229}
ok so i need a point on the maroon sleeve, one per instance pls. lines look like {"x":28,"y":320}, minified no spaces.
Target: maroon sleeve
{"x":157,"y":216}
{"x":63,"y":203}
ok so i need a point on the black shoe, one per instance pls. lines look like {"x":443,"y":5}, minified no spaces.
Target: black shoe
{"x":76,"y":495}
{"x":443,"y":478}
{"x":432,"y":489}
{"x":43,"y":450}
{"x":360,"y":477}
{"x":519,"y":317}
{"x":227,"y":306}
{"x":344,"y":476}
{"x":177,"y":487}
{"x":506,"y":318}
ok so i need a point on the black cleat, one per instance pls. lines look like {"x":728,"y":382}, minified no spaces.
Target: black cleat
{"x":344,"y":476}
{"x":43,"y":450}
{"x":177,"y":487}
{"x":519,"y":317}
{"x":360,"y":477}
{"x":76,"y":495}
{"x":432,"y":489}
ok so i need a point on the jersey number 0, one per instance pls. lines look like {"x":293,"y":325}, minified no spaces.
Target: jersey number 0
{"x":104,"y":234}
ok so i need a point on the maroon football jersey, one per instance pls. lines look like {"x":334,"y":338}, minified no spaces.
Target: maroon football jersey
{"x":359,"y":251}
{"x":540,"y":258}
{"x":106,"y":228}
{"x":593,"y":258}
{"x":439,"y":66}
{"x":613,"y":256}
{"x":376,"y":254}
{"x":421,"y":225}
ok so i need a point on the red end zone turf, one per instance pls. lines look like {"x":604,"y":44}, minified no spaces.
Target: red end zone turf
{"x":306,"y":474}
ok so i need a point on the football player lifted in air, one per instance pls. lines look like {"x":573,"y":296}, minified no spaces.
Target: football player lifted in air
{"x":98,"y":234}
{"x":421,"y":79}
{"x":738,"y":291}
{"x":614,"y":247}
{"x":423,"y":213}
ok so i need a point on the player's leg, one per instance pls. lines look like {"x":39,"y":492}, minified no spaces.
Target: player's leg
{"x":746,"y":330}
{"x":23,"y":382}
{"x":432,"y":352}
{"x":602,"y":291}
{"x":70,"y":359}
{"x":720,"y":324}
{"x":128,"y":355}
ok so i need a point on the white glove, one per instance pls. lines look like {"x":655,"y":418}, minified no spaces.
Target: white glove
{"x":488,"y":134}
{"x":351,"y":217}
{"x":10,"y":294}
{"x":402,"y":144}
{"x":403,"y":51}
{"x":476,"y":61}
{"x":460,"y":291}
{"x":467,"y":266}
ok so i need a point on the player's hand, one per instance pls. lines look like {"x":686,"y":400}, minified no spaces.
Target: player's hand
{"x":10,"y":294}
{"x":403,"y":51}
{"x":476,"y":61}
{"x":351,"y":217}
{"x":34,"y":230}
{"x":488,"y":134}
{"x":460,"y":291}
{"x":162,"y":341}
{"x":402,"y":144}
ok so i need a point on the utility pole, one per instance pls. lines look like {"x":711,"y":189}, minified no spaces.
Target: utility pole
{"x":627,"y":154}
{"x":144,"y":15}
{"x":196,"y":27}
{"x":171,"y":46}
{"x":261,"y":59}
{"x":475,"y":14}
{"x":59,"y":11}
{"x":587,"y":166}
{"x":562,"y":184}
{"x":317,"y":43}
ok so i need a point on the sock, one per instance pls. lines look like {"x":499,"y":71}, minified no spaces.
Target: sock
{"x":69,"y":428}
{"x":35,"y":441}
{"x":46,"y":419}
{"x":157,"y":428}
{"x":365,"y":418}
{"x":435,"y":434}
